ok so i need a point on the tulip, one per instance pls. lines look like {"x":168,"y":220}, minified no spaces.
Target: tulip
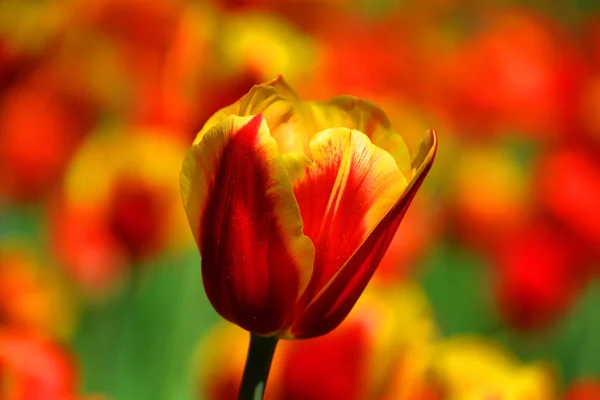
{"x":293,"y":204}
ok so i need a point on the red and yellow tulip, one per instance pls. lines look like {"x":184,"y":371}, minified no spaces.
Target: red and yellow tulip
{"x":293,"y":204}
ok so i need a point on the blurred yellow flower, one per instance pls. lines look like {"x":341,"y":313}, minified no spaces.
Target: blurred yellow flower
{"x":120,"y":206}
{"x":119,"y":156}
{"x":266,"y":46}
{"x":28,"y":26}
{"x":472,"y":368}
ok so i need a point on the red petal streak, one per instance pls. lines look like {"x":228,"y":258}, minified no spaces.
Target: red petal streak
{"x":250,"y":229}
{"x":347,"y":190}
{"x":329,"y":308}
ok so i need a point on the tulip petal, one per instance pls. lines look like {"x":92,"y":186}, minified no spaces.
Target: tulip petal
{"x":349,"y":187}
{"x":270,"y":98}
{"x":329,"y":308}
{"x":370,"y":119}
{"x":296,"y":165}
{"x":241,"y":207}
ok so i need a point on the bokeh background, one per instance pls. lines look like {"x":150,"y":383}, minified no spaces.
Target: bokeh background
{"x":489,"y":291}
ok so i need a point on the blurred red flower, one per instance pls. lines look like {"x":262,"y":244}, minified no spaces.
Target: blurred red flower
{"x":583,"y":390}
{"x":89,"y":253}
{"x":356,"y":361}
{"x":568,"y":187}
{"x":307,"y":374}
{"x":40,"y":128}
{"x":34,"y":368}
{"x":519,"y":72}
{"x":539,"y":272}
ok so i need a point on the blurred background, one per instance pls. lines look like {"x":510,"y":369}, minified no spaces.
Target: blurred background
{"x":489,"y":291}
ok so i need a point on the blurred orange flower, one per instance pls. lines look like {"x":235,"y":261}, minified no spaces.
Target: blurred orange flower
{"x":489,"y":195}
{"x":32,"y":298}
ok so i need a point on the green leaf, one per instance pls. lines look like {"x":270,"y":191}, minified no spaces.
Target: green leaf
{"x":458,"y":286}
{"x":141,"y":345}
{"x":578,"y":350}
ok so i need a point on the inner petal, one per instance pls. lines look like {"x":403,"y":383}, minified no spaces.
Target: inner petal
{"x":350,"y":185}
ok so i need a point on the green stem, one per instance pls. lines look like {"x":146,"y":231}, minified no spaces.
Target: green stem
{"x":258,"y":364}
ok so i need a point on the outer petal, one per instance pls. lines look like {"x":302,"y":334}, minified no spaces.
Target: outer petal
{"x":349,"y":187}
{"x":272,"y":99}
{"x":336,"y":299}
{"x":247,"y":224}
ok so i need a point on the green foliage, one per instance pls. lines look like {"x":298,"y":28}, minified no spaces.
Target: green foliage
{"x":141,"y":346}
{"x":578,"y":349}
{"x":458,"y":285}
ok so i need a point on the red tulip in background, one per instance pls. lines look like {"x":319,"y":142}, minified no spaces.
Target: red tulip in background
{"x":539,"y":274}
{"x":331,"y":367}
{"x":517,"y":73}
{"x":568,"y":184}
{"x":583,"y":390}
{"x":27,"y":172}
{"x":34,"y":368}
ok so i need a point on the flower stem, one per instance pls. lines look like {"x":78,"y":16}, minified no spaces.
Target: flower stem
{"x":258,"y":364}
